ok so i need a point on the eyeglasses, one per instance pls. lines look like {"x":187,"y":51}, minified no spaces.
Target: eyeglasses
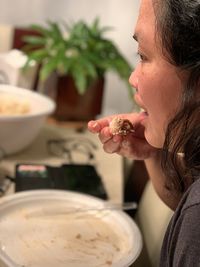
{"x":72,"y":149}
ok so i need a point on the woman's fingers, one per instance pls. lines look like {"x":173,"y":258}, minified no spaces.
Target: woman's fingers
{"x":111,"y":147}
{"x":97,"y":125}
{"x":112,"y":144}
{"x":93,"y":126}
{"x":105,"y":135}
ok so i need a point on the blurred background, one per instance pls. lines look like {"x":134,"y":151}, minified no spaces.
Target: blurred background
{"x":119,"y":14}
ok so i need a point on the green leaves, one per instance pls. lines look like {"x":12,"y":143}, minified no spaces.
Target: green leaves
{"x":79,"y":50}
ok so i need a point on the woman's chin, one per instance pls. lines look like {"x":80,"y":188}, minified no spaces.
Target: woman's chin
{"x":154,"y":141}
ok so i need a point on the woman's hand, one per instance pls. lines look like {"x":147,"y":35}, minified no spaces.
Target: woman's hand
{"x":133,"y":145}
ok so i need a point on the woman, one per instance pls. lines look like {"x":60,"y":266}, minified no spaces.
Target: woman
{"x":167,"y":132}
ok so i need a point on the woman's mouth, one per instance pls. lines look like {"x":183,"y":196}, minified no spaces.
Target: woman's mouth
{"x":143,"y":114}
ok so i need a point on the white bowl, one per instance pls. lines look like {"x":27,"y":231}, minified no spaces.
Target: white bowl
{"x":18,"y":131}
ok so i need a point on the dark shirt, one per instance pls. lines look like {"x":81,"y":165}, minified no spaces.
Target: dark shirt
{"x":181,"y":244}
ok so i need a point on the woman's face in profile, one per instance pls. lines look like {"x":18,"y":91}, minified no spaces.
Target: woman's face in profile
{"x":157,"y":82}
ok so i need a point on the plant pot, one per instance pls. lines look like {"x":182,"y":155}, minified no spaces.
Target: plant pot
{"x":71,"y":106}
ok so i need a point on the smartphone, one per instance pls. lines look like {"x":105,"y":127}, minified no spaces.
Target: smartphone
{"x":31,"y":176}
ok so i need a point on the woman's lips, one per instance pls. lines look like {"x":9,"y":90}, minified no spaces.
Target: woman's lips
{"x":144,"y":111}
{"x":143,"y":115}
{"x":138,"y":102}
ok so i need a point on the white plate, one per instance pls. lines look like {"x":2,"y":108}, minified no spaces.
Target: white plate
{"x":32,"y":238}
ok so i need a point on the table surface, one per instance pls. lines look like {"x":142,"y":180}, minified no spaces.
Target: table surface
{"x":110,"y":167}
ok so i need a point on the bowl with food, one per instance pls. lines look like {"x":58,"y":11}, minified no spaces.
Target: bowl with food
{"x":23,"y":112}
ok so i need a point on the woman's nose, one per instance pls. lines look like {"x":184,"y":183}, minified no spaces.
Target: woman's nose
{"x":133,"y":79}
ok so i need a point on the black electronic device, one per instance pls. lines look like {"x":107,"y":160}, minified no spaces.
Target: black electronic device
{"x":83,"y":178}
{"x":74,"y":177}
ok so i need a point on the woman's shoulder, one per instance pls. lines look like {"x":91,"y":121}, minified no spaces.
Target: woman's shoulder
{"x":192,"y":195}
{"x":181,"y":242}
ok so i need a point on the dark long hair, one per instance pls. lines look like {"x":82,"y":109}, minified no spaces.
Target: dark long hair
{"x":178,"y":28}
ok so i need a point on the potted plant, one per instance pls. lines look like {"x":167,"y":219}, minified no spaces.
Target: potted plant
{"x":79,"y":55}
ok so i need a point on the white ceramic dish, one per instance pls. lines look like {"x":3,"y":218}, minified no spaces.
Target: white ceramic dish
{"x":18,"y":131}
{"x":94,"y":239}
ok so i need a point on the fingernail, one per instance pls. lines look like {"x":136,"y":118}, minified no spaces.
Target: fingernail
{"x":96,"y":126}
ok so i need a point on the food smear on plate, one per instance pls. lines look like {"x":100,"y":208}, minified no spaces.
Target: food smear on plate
{"x":72,"y":240}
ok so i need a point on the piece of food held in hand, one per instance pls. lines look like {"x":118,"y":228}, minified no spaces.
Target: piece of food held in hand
{"x":121,"y":126}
